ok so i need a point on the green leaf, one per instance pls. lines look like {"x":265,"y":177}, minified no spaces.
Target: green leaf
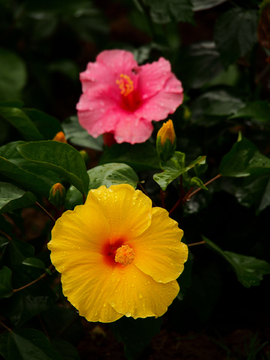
{"x":174,"y":168}
{"x":79,"y":136}
{"x":135,"y":334}
{"x":163,"y":11}
{"x":12,"y":198}
{"x":67,"y":351}
{"x":28,"y":175}
{"x":21,"y":121}
{"x":47,"y":125}
{"x":139,"y":156}
{"x":195,"y":181}
{"x":244,"y":159}
{"x":198,"y":64}
{"x":257,"y":110}
{"x":26,"y":344}
{"x":59,"y":157}
{"x":12,"y":104}
{"x":107,"y":174}
{"x":200,"y":169}
{"x":249,"y":270}
{"x":34,"y":262}
{"x":5,"y":282}
{"x":205,"y":4}
{"x":184,"y":279}
{"x":236,"y":34}
{"x":12,"y":75}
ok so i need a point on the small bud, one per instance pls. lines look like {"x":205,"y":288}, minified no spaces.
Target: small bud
{"x":166,"y":141}
{"x":57,"y":195}
{"x":60,"y":136}
{"x":85,"y":156}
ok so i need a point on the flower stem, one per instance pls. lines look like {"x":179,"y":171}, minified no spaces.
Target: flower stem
{"x":5,"y":326}
{"x":197,"y":243}
{"x":52,"y":218}
{"x":51,"y":267}
{"x":189,"y":194}
{"x":162,"y":198}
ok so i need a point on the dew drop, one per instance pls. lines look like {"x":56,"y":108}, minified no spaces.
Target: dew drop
{"x":128,"y":314}
{"x":140,"y":295}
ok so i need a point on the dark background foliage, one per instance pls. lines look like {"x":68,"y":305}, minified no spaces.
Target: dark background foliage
{"x":220,"y":51}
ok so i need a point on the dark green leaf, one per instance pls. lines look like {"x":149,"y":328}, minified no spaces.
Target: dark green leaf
{"x":12,"y":104}
{"x":249,"y":270}
{"x":139,"y":156}
{"x":200,"y":169}
{"x":235,"y":34}
{"x":184,"y":279}
{"x":135,"y":334}
{"x":34,"y":262}
{"x":12,"y":75}
{"x":59,"y":157}
{"x":5,"y":282}
{"x":28,"y":175}
{"x":257,"y":110}
{"x":195,"y":181}
{"x":108,"y":174}
{"x":67,"y":351}
{"x":174,"y":168}
{"x":198,"y":64}
{"x":163,"y":11}
{"x":205,"y":4}
{"x":21,"y":121}
{"x":244,"y":159}
{"x":47,"y":125}
{"x":26,"y":344}
{"x":79,"y":136}
{"x":11,"y":197}
{"x":67,"y":67}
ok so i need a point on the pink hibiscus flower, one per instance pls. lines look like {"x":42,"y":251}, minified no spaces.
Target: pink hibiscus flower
{"x":123,"y":98}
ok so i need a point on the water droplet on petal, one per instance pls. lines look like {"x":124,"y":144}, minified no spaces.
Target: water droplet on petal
{"x":140,"y":295}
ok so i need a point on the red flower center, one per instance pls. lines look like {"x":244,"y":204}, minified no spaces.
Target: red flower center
{"x":130,"y":97}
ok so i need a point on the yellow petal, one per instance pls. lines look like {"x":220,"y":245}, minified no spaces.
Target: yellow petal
{"x":127,"y":211}
{"x":133,"y":293}
{"x":86,"y":287}
{"x":159,"y":250}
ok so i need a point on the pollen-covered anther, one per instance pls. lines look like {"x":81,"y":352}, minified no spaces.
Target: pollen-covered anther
{"x":124,"y":255}
{"x":125,"y":84}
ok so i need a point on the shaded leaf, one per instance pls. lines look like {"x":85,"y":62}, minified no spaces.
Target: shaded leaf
{"x":249,"y":270}
{"x":34,"y":262}
{"x":67,"y":351}
{"x":26,"y":344}
{"x":12,"y":198}
{"x":79,"y":136}
{"x":235,"y":34}
{"x":257,"y":110}
{"x":135,"y":334}
{"x":184,"y":279}
{"x":244,"y":159}
{"x":5,"y":282}
{"x":47,"y":125}
{"x":205,"y":4}
{"x":12,"y":75}
{"x":139,"y":156}
{"x":59,"y":157}
{"x":163,"y":11}
{"x":21,"y":122}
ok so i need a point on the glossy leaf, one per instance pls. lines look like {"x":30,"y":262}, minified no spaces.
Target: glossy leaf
{"x":139,"y":156}
{"x":174,"y":168}
{"x":236,"y":34}
{"x":12,"y":198}
{"x":27,"y":175}
{"x":163,"y":12}
{"x":244,"y":159}
{"x":47,"y":125}
{"x":257,"y":110}
{"x":205,"y":4}
{"x":34,"y":262}
{"x":26,"y":344}
{"x":12,"y":75}
{"x":249,"y":270}
{"x":107,"y":174}
{"x":67,"y":351}
{"x":79,"y":136}
{"x":21,"y":121}
{"x":59,"y":157}
{"x":5,"y":282}
{"x":135,"y":334}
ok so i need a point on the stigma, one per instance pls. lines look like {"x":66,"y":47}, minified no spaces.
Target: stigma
{"x":124,"y":255}
{"x":125,"y":84}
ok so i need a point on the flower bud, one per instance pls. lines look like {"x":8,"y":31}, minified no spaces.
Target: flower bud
{"x":85,"y":156}
{"x":57,"y":195}
{"x":166,"y":141}
{"x":60,"y":136}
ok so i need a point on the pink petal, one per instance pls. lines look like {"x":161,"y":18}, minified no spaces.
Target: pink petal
{"x":117,"y":61}
{"x":132,"y":130}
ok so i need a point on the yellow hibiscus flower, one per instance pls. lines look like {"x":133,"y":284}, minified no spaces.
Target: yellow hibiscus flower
{"x":118,"y":255}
